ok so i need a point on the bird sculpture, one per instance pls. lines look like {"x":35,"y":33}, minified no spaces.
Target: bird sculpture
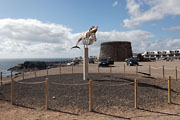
{"x":90,"y":35}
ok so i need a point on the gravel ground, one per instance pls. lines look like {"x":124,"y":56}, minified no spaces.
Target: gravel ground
{"x":108,"y":92}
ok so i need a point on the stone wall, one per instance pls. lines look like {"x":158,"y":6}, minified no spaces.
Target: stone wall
{"x":117,"y":50}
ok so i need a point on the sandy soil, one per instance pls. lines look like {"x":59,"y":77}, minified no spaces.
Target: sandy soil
{"x":9,"y":112}
{"x":161,"y":112}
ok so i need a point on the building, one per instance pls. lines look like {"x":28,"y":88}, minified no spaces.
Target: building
{"x":116,"y":50}
{"x":164,"y":54}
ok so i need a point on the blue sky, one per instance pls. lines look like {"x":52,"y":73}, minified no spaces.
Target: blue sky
{"x":35,"y":24}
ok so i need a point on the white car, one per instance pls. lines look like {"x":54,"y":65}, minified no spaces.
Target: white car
{"x":70,"y":63}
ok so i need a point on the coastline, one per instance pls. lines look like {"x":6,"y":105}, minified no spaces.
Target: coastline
{"x":6,"y":64}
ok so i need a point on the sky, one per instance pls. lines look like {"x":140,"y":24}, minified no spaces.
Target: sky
{"x":49,"y":28}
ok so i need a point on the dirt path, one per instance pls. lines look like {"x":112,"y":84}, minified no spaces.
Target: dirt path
{"x":9,"y":112}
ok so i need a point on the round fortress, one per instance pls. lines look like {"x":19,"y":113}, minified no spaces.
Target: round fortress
{"x":117,"y":50}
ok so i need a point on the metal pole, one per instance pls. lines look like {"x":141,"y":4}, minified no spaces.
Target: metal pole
{"x":85,"y":64}
{"x":124,"y":68}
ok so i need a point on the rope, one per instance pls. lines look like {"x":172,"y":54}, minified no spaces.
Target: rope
{"x":115,"y":84}
{"x":156,"y":68}
{"x":30,"y":83}
{"x":169,"y":68}
{"x":70,"y":84}
{"x":144,"y":66}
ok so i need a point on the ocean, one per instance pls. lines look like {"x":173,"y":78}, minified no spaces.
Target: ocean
{"x":5,"y":64}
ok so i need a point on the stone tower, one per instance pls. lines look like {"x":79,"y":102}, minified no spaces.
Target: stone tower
{"x":117,"y":50}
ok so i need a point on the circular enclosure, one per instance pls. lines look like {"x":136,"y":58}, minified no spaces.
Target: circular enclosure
{"x":117,"y":50}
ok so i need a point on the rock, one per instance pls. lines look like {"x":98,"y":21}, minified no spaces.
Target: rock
{"x":40,"y":65}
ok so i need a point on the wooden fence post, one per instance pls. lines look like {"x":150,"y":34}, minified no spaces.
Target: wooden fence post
{"x":1,"y":79}
{"x":23,"y":74}
{"x":12,"y":91}
{"x":47,"y":72}
{"x":124,"y":68}
{"x":98,"y":68}
{"x":163,"y":72}
{"x":72,"y":69}
{"x":135,"y":93}
{"x":60,"y":70}
{"x":11,"y":73}
{"x":90,"y":96}
{"x":35,"y":73}
{"x":149,"y":70}
{"x":47,"y":92}
{"x":169,"y":89}
{"x":110,"y":69}
{"x":176,"y":73}
{"x":136,"y":69}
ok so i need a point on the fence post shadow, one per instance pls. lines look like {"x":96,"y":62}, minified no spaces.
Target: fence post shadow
{"x":110,"y":115}
{"x":70,"y":113}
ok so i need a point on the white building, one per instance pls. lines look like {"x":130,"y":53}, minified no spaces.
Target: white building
{"x":167,"y":54}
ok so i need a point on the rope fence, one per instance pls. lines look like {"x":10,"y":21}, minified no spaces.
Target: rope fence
{"x":156,"y":68}
{"x":112,"y":85}
{"x":91,"y":84}
{"x":174,"y":72}
{"x":29,"y":83}
{"x":169,"y":68}
{"x":62,"y":84}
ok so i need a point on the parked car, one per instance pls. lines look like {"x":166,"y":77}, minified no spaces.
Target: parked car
{"x":91,"y":60}
{"x":111,"y":61}
{"x":132,"y":62}
{"x":72,"y":63}
{"x":105,"y":62}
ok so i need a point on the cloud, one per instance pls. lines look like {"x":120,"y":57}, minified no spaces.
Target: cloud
{"x":173,"y":28}
{"x":158,"y":9}
{"x":115,"y":3}
{"x":138,"y":38}
{"x":29,"y":38}
{"x":170,"y":44}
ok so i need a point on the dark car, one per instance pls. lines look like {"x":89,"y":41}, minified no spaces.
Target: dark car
{"x":132,"y":62}
{"x":91,"y":60}
{"x":103,"y":62}
{"x":106,"y":62}
{"x":111,"y":61}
